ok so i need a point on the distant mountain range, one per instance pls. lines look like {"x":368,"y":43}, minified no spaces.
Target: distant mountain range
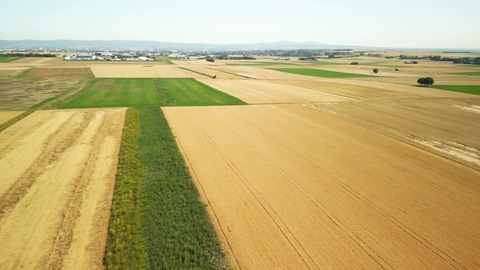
{"x":164,"y":46}
{"x":92,"y":45}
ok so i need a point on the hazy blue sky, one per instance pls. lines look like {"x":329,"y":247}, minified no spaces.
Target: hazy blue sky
{"x":407,"y":23}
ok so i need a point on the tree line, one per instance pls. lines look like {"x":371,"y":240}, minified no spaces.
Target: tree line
{"x":28,"y":55}
{"x":459,"y":60}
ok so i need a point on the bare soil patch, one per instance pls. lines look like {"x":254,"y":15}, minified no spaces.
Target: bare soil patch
{"x":289,"y":187}
{"x":58,"y":170}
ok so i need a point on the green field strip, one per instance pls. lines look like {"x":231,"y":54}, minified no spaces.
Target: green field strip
{"x":320,"y":73}
{"x":474,"y":73}
{"x":8,"y":59}
{"x":150,"y":92}
{"x":157,"y":220}
{"x":469,"y":89}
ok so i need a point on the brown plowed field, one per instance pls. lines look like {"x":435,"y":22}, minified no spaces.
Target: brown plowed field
{"x":56,"y":183}
{"x":291,"y":187}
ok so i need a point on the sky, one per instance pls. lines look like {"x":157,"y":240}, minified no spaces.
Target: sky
{"x":380,"y":23}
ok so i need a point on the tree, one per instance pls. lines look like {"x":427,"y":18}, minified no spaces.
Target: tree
{"x":375,"y":70}
{"x":426,"y":81}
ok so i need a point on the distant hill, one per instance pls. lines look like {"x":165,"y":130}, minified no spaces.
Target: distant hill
{"x":155,"y":45}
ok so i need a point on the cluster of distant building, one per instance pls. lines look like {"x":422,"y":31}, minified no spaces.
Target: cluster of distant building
{"x":106,"y":56}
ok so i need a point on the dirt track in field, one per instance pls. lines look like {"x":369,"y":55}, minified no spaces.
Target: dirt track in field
{"x":291,"y":187}
{"x":58,"y":170}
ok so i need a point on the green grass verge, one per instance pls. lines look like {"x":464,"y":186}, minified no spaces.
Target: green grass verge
{"x":320,"y":73}
{"x":7,"y":59}
{"x":470,"y":89}
{"x":126,"y":243}
{"x":149,"y":92}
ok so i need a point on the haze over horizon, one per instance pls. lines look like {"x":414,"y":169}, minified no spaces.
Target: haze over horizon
{"x":406,"y":24}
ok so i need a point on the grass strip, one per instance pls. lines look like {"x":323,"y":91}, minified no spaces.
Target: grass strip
{"x":470,"y":89}
{"x":177,"y":228}
{"x":126,"y":244}
{"x":320,"y":73}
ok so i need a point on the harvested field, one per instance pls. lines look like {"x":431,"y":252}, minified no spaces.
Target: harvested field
{"x":251,"y":72}
{"x":290,"y":187}
{"x":58,"y":172}
{"x":256,"y":91}
{"x":210,"y":72}
{"x":57,"y":72}
{"x":5,"y":72}
{"x":5,"y":116}
{"x":147,"y":70}
{"x":23,"y":93}
{"x":418,"y":121}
